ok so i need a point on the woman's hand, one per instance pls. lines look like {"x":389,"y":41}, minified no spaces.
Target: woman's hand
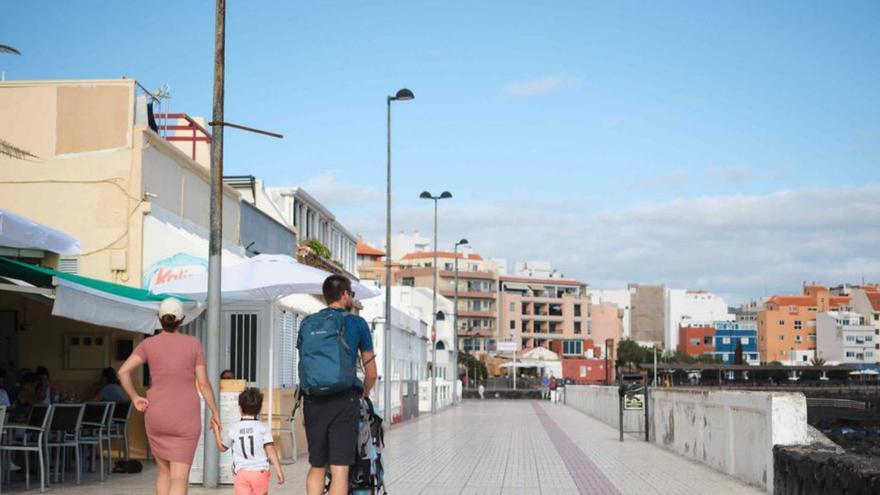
{"x":141,"y":403}
{"x":215,"y":423}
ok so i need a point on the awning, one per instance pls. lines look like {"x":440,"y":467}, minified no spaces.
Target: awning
{"x":21,"y":232}
{"x":516,"y":286}
{"x":537,"y":288}
{"x":96,"y":301}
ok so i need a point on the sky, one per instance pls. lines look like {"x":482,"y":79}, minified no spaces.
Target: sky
{"x":732,"y":146}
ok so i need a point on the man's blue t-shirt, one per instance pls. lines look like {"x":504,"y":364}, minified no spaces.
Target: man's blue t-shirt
{"x":357,"y":336}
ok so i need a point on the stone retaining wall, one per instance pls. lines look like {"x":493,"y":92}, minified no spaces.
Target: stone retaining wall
{"x":818,"y":470}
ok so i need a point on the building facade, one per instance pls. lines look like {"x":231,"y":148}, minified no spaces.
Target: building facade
{"x":551,"y":313}
{"x":787,"y":324}
{"x":866,"y":301}
{"x":845,"y":337}
{"x":647,"y":318}
{"x":696,"y":305}
{"x":605,"y":324}
{"x":313,"y":220}
{"x":620,"y":298}
{"x":696,"y":338}
{"x":477,"y":292}
{"x":733,"y":335}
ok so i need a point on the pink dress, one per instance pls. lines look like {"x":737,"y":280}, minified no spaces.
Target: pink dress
{"x":173,"y":418}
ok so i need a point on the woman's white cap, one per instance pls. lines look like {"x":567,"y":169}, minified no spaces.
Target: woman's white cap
{"x":173,"y":307}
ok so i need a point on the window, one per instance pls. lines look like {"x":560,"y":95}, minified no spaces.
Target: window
{"x":448,"y":267}
{"x":725,"y":340}
{"x":869,"y":354}
{"x":782,"y":322}
{"x":513,"y":307}
{"x":876,"y":316}
{"x":850,"y":338}
{"x":243,"y":344}
{"x":707,"y":340}
{"x":744,"y":340}
{"x":782,"y":337}
{"x":868,"y":338}
{"x":804,"y":357}
{"x":797,"y":339}
{"x":572,"y":347}
{"x":812,"y":336}
{"x":409,"y":281}
{"x":798,"y":325}
{"x":577,"y":327}
{"x":811,"y":309}
{"x":577,"y":309}
{"x":850,"y":354}
{"x":512,"y":324}
{"x":695,"y":342}
{"x":793,"y":309}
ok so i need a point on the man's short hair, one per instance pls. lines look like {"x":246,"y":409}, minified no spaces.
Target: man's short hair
{"x":251,"y":401}
{"x":334,"y":287}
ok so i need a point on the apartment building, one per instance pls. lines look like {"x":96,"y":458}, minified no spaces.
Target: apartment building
{"x":606,"y":323}
{"x":313,"y":220}
{"x":686,"y":304}
{"x":845,"y":337}
{"x":696,"y":338}
{"x":866,"y":301}
{"x":787,"y":324}
{"x":647,"y":314}
{"x":733,"y":335}
{"x":370,"y":263}
{"x":553,"y":313}
{"x":477,"y":291}
{"x":618,"y":297}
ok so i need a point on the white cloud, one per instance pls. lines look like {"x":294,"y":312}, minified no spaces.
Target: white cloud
{"x":739,"y":246}
{"x":329,"y":189}
{"x":540,"y":86}
{"x":731,"y":173}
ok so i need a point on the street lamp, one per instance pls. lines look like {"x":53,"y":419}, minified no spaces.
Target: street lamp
{"x":455,"y":319}
{"x":402,"y":95}
{"x":436,"y":199}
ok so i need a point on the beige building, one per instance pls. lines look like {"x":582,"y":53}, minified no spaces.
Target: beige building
{"x":553,"y":313}
{"x":96,"y":170}
{"x":647,"y":314}
{"x":477,"y":292}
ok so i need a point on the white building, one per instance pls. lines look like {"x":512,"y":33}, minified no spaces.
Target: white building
{"x":404,"y":243}
{"x":618,"y":297}
{"x":845,"y":337}
{"x":419,"y":301}
{"x":409,"y":355}
{"x":866,"y":301}
{"x":314,"y":221}
{"x":536,"y":269}
{"x":683,"y":305}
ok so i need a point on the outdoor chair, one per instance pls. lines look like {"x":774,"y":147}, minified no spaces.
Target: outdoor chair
{"x":63,"y":435}
{"x":286,"y":425}
{"x":2,"y":422}
{"x":119,"y":429}
{"x":30,"y":438}
{"x":96,"y":424}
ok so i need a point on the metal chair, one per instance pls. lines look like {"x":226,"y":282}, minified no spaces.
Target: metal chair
{"x":2,"y":422}
{"x":96,"y":424}
{"x":64,"y":433}
{"x":30,"y":438}
{"x":119,"y":429}
{"x":290,"y":429}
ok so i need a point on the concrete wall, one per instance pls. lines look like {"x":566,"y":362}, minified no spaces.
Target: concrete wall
{"x":731,"y":431}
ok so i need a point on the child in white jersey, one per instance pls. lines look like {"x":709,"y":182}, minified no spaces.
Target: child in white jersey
{"x":252,"y":447}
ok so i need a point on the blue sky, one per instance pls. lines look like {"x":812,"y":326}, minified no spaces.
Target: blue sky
{"x":563,"y":114}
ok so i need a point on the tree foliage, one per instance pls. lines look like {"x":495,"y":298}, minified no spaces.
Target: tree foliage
{"x":319,"y":248}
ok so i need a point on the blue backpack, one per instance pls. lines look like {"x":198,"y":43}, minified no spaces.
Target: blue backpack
{"x":325,"y":365}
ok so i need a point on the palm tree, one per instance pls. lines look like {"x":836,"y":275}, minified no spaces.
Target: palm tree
{"x":6,"y":148}
{"x":817,"y":361}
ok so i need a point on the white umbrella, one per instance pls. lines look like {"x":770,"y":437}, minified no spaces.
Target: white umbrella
{"x":261,"y":278}
{"x":23,"y":233}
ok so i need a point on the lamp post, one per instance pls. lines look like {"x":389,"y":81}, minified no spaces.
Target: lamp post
{"x":436,"y":199}
{"x":402,"y":95}
{"x":455,"y":320}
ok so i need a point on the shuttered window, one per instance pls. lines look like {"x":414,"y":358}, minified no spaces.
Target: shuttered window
{"x":288,"y":355}
{"x":243,"y":336}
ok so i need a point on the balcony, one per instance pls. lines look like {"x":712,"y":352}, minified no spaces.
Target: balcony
{"x":466,"y":313}
{"x":544,"y":317}
{"x":467,"y":294}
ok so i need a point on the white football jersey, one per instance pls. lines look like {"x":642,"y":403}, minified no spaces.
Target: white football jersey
{"x":247,"y":440}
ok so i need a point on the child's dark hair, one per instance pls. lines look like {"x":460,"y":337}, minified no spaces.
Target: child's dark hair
{"x":251,"y":401}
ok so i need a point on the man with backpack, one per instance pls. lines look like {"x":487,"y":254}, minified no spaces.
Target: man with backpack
{"x":329,"y":342}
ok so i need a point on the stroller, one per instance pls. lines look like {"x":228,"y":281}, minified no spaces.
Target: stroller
{"x":367,"y":475}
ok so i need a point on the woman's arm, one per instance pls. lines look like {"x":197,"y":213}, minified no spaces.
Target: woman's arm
{"x":132,"y":363}
{"x":208,"y":393}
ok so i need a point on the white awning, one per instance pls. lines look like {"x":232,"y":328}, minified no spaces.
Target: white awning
{"x":20,"y":232}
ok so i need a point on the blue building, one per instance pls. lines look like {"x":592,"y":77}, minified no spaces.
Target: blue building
{"x":729,"y":333}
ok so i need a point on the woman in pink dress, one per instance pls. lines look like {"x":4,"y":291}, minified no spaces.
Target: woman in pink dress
{"x":172,"y":409}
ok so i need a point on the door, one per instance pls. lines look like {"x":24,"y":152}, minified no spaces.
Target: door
{"x":240,"y":331}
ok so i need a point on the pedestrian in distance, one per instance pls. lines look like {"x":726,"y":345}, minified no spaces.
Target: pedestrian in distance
{"x":553,"y":386}
{"x":482,"y":390}
{"x":172,"y":410}
{"x":545,"y":390}
{"x":329,"y":343}
{"x":252,"y":447}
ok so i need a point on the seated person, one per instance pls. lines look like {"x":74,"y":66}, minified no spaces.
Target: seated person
{"x":109,"y":389}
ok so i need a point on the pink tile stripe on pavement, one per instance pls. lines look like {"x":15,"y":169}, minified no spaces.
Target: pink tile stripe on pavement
{"x":588,"y":478}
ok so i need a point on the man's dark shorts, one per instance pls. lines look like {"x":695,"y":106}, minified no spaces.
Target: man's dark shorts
{"x":331,"y":424}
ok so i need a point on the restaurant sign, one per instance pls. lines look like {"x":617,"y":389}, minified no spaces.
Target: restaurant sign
{"x":176,"y":267}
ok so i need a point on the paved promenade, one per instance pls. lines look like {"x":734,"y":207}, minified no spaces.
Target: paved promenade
{"x":503,"y":447}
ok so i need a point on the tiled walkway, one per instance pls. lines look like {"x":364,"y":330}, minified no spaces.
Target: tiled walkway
{"x":503,"y":447}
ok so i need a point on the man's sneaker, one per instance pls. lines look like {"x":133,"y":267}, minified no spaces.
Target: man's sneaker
{"x":14,"y":467}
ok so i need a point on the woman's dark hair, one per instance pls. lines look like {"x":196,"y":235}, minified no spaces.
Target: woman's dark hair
{"x":251,"y":401}
{"x":334,"y":287}
{"x":170,"y":323}
{"x":42,"y":370}
{"x":109,"y":375}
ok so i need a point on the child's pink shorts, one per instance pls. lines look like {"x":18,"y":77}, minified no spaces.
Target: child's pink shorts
{"x":251,"y":482}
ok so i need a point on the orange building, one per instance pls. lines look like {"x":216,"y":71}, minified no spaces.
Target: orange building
{"x":787,"y":324}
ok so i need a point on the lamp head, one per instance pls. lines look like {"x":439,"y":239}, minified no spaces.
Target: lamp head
{"x":426,"y":195}
{"x":441,"y":316}
{"x":445,"y":195}
{"x":404,"y":95}
{"x":462,"y":242}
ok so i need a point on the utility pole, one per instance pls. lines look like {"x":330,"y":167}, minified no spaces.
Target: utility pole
{"x":211,"y":471}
